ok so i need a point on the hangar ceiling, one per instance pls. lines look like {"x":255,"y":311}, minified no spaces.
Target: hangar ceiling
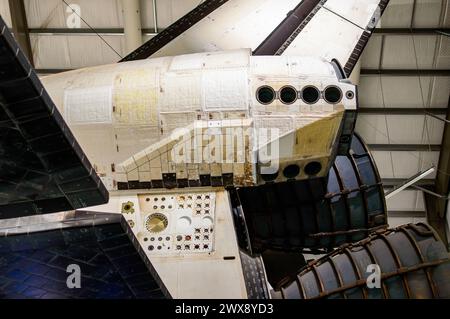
{"x":405,"y":75}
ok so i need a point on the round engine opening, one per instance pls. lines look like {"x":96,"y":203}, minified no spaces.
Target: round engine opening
{"x":265,"y":95}
{"x":313,"y":168}
{"x":310,"y":94}
{"x":333,"y":94}
{"x":291,"y":171}
{"x":288,"y":95}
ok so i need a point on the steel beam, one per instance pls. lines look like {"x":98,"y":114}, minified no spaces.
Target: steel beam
{"x":155,"y":16}
{"x":406,"y":72}
{"x":131,"y":12}
{"x":413,"y":180}
{"x":385,"y":31}
{"x":392,"y":182}
{"x":414,"y":214}
{"x":401,"y":111}
{"x":20,"y":27}
{"x":52,"y":31}
{"x":414,"y":31}
{"x":437,"y":207}
{"x":87,"y":31}
{"x":404,"y":147}
{"x":410,"y":188}
{"x":426,"y":190}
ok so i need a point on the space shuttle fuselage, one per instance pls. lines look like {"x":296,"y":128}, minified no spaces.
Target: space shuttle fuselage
{"x":210,"y":119}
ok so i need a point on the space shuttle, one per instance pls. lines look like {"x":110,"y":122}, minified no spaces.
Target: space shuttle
{"x":206,"y":164}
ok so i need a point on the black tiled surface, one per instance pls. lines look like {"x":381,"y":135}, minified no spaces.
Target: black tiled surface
{"x":170,"y":181}
{"x":318,"y":213}
{"x":34,"y":266}
{"x":42,"y":168}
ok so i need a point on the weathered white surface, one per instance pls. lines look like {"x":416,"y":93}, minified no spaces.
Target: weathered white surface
{"x":326,"y":35}
{"x":357,"y":11}
{"x":192,"y":274}
{"x":236,"y":24}
{"x":88,"y":106}
{"x":118,"y":111}
{"x":200,"y":275}
{"x":332,"y":33}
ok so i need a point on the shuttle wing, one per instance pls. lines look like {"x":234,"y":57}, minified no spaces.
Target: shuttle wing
{"x":42,"y":167}
{"x":40,"y":252}
{"x":333,"y":29}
